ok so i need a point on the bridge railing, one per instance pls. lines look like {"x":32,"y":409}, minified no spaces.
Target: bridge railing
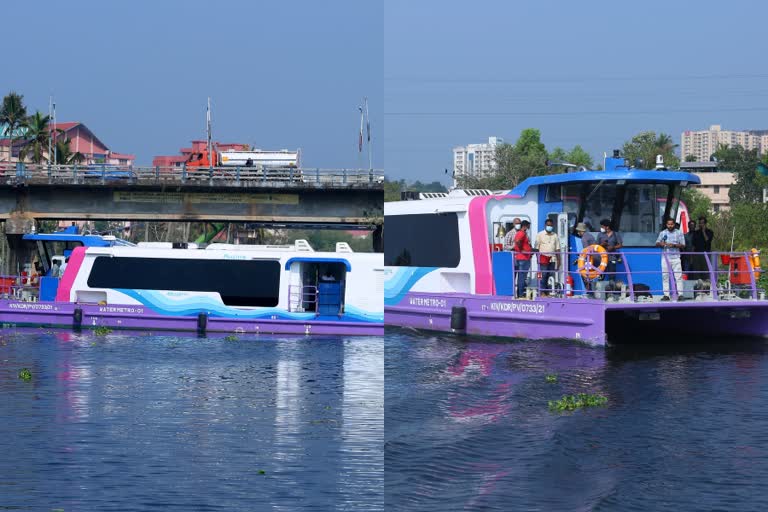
{"x":107,"y":174}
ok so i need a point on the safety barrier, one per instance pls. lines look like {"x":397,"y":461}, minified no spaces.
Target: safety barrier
{"x":683,"y":276}
{"x":105,"y":174}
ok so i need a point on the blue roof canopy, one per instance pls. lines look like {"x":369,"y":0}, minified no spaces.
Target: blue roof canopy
{"x":628,"y":175}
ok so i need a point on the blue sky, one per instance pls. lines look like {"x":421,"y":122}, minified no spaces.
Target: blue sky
{"x":590,"y":73}
{"x":282,"y":74}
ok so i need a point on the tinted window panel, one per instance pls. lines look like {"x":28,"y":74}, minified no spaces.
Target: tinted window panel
{"x":428,"y":240}
{"x":240,"y":282}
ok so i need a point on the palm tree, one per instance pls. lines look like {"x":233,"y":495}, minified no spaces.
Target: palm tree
{"x":38,"y":136}
{"x":64,"y":154}
{"x":665,"y":144}
{"x":13,"y":114}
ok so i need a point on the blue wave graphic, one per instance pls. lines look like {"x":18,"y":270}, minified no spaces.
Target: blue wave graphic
{"x":196,"y":304}
{"x":401,"y":283}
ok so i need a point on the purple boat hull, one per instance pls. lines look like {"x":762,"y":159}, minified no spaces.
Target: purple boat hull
{"x":592,"y":321}
{"x":91,"y":316}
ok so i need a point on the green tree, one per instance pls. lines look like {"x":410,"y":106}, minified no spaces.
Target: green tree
{"x":578,"y":156}
{"x":392,"y":190}
{"x":743,"y":164}
{"x":642,"y":149}
{"x":38,"y":136}
{"x":435,"y":186}
{"x":514,"y":163}
{"x":558,"y":155}
{"x":64,"y":154}
{"x":697,"y":203}
{"x":13,"y":114}
{"x":691,"y":158}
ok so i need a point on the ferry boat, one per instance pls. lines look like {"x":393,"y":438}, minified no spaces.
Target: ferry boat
{"x":241,"y":289}
{"x":446,"y":269}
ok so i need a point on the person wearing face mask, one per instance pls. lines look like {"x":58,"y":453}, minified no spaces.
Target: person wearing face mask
{"x":523,"y":253}
{"x":509,"y":238}
{"x":611,"y":241}
{"x":547,"y":243}
{"x":671,"y":240}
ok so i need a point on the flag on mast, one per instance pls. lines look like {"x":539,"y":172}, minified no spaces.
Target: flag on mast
{"x":367,"y":120}
{"x":360,"y":139}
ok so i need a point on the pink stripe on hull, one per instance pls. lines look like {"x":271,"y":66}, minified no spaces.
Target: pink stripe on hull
{"x":70,"y":272}
{"x":478,"y":229}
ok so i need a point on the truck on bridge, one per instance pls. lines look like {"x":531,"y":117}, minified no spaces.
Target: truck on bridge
{"x":259,"y":158}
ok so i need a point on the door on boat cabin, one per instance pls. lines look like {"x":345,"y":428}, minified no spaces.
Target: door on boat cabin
{"x":317,"y":286}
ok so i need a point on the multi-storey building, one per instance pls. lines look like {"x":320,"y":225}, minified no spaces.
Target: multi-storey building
{"x":702,"y":144}
{"x":715,"y":183}
{"x":477,"y":160}
{"x":81,"y":140}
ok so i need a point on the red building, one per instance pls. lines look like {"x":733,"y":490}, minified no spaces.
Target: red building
{"x":197,"y":147}
{"x":83,"y":141}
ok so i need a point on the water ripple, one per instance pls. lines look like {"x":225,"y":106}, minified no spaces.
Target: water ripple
{"x":135,"y":422}
{"x":467,"y":426}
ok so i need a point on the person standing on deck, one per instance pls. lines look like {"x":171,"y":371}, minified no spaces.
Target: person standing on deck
{"x":548,"y":245}
{"x":702,"y":242}
{"x":611,"y":241}
{"x":586,"y":240}
{"x":688,"y":259}
{"x":671,"y":240}
{"x":586,"y":237}
{"x":509,"y":238}
{"x":523,"y":253}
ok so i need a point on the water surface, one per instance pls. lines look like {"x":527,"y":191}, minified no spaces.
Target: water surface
{"x":467,"y":426}
{"x":141,"y":422}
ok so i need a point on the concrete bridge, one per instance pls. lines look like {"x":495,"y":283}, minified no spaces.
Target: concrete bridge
{"x":279,"y":196}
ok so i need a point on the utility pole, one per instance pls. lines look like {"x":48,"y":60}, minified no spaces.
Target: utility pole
{"x":368,"y":126}
{"x":208,"y":129}
{"x":50,"y":131}
{"x":55,"y":156}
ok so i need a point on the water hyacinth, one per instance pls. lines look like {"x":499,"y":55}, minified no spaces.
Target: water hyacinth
{"x":25,"y":374}
{"x":573,"y":402}
{"x":551,"y":378}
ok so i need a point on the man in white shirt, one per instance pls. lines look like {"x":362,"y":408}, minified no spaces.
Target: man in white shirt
{"x":548,"y":245}
{"x":671,"y":240}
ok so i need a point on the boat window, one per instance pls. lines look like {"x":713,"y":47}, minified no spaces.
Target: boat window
{"x":553,"y":194}
{"x":599,"y":204}
{"x":254,"y":283}
{"x":571,"y":196}
{"x":425,"y":240}
{"x":642,"y":213}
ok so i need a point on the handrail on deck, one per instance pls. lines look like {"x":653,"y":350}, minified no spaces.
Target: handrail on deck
{"x":725,"y":272}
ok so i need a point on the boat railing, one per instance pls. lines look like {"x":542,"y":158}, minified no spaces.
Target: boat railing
{"x":21,"y":287}
{"x":628,"y":275}
{"x":299,"y":295}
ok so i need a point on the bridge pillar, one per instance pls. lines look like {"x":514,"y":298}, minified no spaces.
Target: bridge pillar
{"x":20,"y":251}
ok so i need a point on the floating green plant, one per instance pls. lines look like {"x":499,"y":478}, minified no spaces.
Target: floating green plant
{"x":551,"y":378}
{"x":25,"y":374}
{"x":231,"y":337}
{"x":102,"y":330}
{"x":573,"y":402}
{"x":262,"y":472}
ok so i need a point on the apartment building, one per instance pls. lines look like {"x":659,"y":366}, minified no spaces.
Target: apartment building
{"x":702,"y":144}
{"x":475,"y":159}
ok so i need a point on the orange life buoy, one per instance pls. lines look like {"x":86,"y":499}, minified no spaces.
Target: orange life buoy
{"x":587,"y":269}
{"x":755,"y":256}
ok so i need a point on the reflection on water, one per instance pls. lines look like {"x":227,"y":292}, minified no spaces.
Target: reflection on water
{"x":468,"y":427}
{"x":137,"y":423}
